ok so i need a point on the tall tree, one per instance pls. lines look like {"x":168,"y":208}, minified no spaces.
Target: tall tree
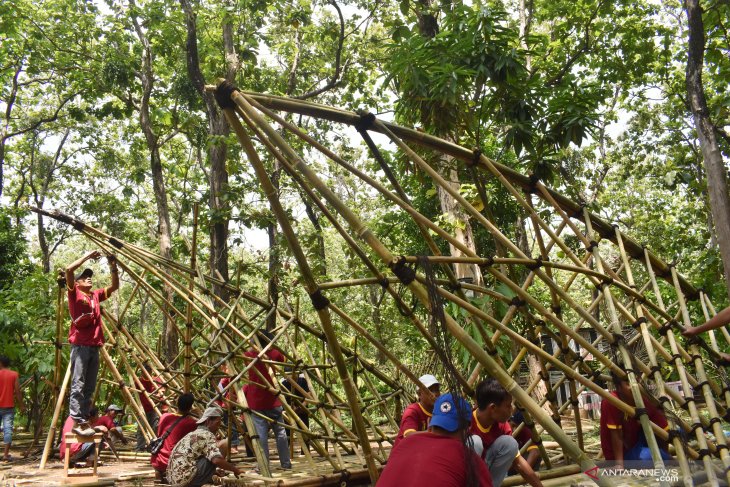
{"x":218,"y":129}
{"x":706,"y":133}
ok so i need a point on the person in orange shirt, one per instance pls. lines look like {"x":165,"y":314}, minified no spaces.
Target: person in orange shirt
{"x":9,"y":394}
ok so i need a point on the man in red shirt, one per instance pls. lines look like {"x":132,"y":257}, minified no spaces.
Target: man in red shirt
{"x":82,"y":451}
{"x":9,"y":394}
{"x":438,"y":457}
{"x":525,"y":435}
{"x":115,"y":432}
{"x":85,"y":335}
{"x":417,"y":415}
{"x":266,"y":407}
{"x":179,"y":424}
{"x":622,"y":438}
{"x":492,"y":434}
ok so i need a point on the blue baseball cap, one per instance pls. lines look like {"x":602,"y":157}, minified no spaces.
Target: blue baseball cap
{"x":448,"y":416}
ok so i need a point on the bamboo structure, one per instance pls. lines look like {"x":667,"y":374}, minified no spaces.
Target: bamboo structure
{"x":579,"y":310}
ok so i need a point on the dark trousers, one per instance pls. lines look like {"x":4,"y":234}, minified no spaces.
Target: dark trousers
{"x":153,"y":419}
{"x":85,"y":367}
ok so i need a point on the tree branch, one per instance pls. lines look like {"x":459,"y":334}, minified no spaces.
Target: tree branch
{"x":335,"y":79}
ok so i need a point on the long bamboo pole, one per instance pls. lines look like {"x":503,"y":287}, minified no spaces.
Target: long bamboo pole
{"x":54,"y":419}
{"x":189,"y":310}
{"x":309,"y":282}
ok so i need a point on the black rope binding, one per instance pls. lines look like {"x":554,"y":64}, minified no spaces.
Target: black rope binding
{"x":223,"y":94}
{"x":116,"y":243}
{"x":402,"y":271}
{"x":319,"y":300}
{"x":476,"y":155}
{"x":365,"y":122}
{"x":638,"y":322}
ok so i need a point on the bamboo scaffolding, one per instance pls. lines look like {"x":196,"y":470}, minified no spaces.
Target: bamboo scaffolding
{"x":388,"y":258}
{"x":217,"y":331}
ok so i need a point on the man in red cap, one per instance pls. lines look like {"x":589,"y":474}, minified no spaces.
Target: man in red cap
{"x":85,"y":336}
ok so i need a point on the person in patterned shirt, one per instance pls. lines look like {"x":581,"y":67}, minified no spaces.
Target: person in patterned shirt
{"x":195,"y":458}
{"x":417,"y":415}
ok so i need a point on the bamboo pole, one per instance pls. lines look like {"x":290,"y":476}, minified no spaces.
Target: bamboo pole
{"x":189,"y":310}
{"x":691,"y":407}
{"x":702,"y":376}
{"x":626,"y":357}
{"x":635,"y":249}
{"x":54,"y":419}
{"x":309,"y":283}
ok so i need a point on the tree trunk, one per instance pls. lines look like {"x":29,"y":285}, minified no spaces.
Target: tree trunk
{"x":714,"y":166}
{"x":462,"y":227}
{"x":146,"y":77}
{"x":217,"y":126}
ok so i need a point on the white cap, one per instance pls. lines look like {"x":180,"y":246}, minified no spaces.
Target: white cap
{"x":428,"y":380}
{"x":210,"y":412}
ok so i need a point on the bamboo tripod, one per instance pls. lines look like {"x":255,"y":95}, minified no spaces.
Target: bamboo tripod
{"x":576,"y":252}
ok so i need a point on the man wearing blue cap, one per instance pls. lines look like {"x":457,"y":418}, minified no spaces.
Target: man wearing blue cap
{"x":438,"y":457}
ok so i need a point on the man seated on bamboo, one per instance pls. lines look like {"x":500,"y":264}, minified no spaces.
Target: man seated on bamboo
{"x":82,"y":452}
{"x":622,"y":437}
{"x":173,"y":427}
{"x":197,"y":457}
{"x":416,"y":416}
{"x":439,"y":457}
{"x":492,"y":434}
{"x":109,"y":422}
